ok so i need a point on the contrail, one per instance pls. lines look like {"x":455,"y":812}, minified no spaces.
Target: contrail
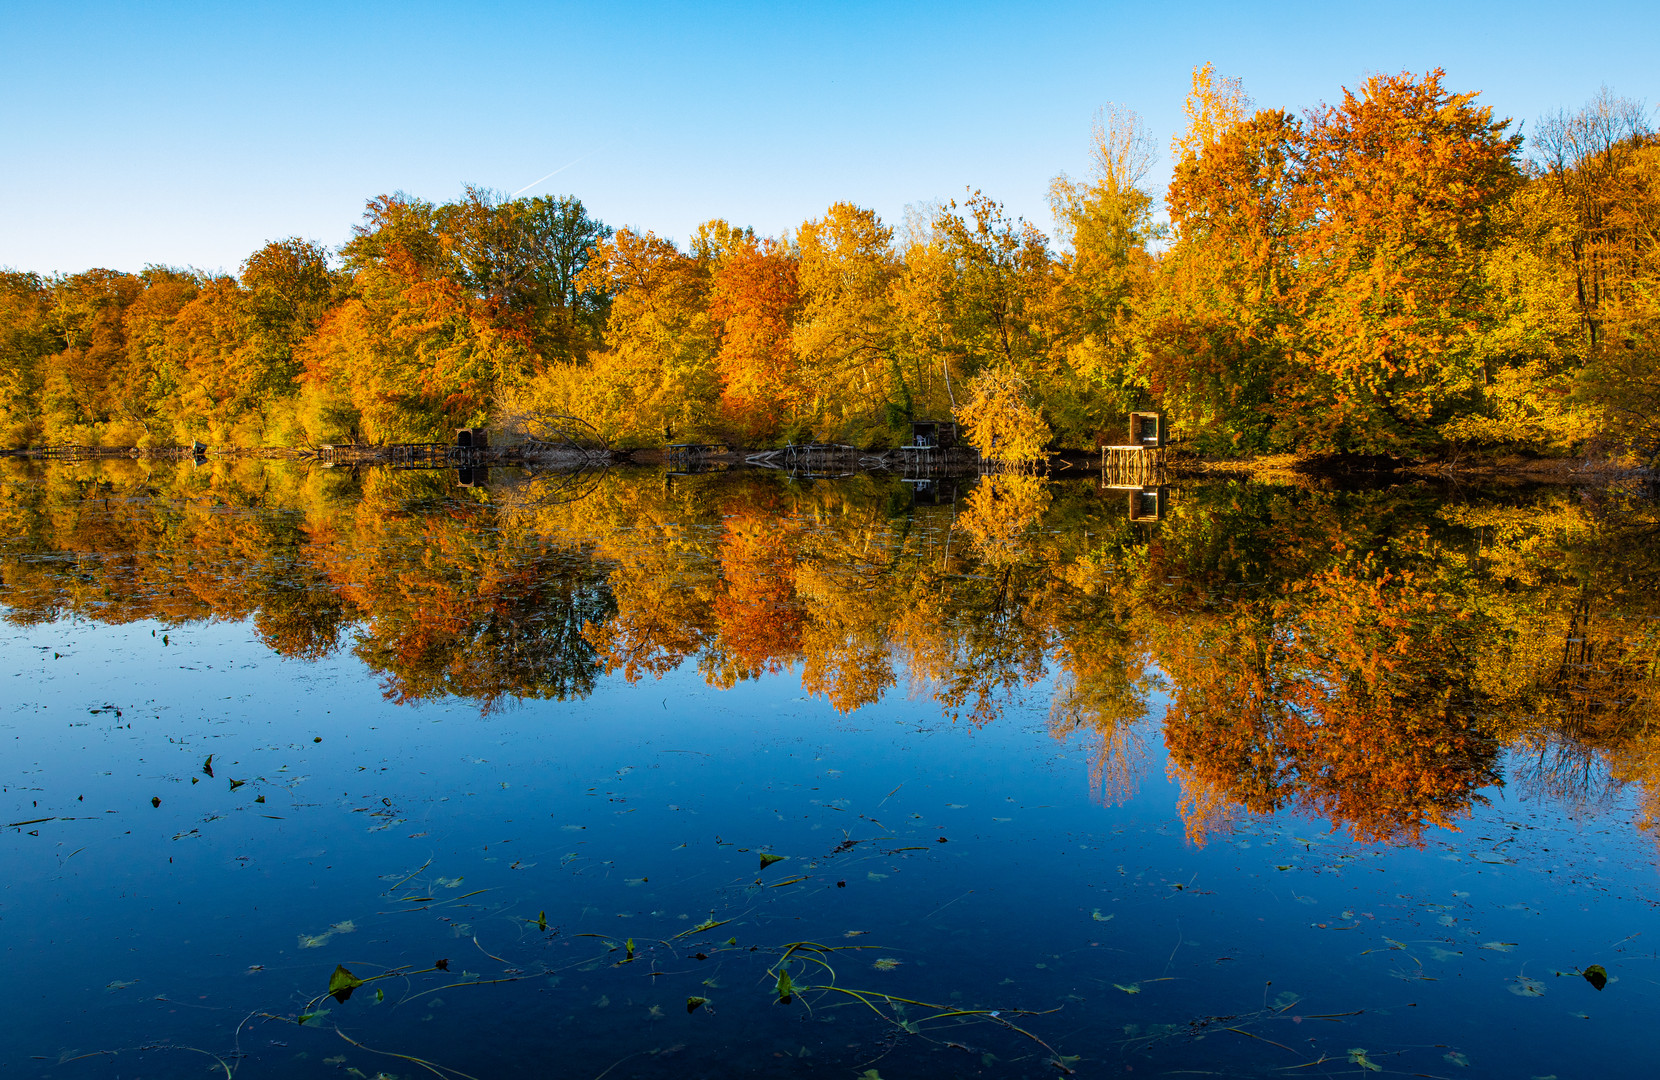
{"x":555,"y":172}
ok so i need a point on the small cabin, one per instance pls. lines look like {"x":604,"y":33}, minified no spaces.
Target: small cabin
{"x":1150,"y":503}
{"x":1147,"y":430}
{"x":472,"y":438}
{"x":933,"y":434}
{"x":472,"y":476}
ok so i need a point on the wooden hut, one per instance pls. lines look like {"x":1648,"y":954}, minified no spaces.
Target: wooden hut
{"x":933,"y":434}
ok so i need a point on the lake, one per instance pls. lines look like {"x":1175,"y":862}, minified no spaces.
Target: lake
{"x":630,"y":774}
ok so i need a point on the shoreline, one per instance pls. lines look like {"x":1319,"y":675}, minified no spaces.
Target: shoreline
{"x":1506,"y":467}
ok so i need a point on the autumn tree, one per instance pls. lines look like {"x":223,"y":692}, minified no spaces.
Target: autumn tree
{"x":972,"y":294}
{"x":523,"y":258}
{"x":844,"y":338}
{"x":1000,"y":420}
{"x":1220,"y":328}
{"x":657,"y":380}
{"x":753,"y":298}
{"x":26,"y":340}
{"x":1214,"y":104}
{"x":1395,"y":204}
{"x":1105,"y":224}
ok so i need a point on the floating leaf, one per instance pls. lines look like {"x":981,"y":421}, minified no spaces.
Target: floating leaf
{"x":786,"y":988}
{"x":886,"y":963}
{"x":1133,"y":988}
{"x":1358,"y":1056}
{"x":542,"y":921}
{"x":768,"y":858}
{"x":1596,"y":975}
{"x":342,"y":983}
{"x":312,"y":1019}
{"x":380,"y":996}
{"x":1526,"y":987}
{"x":694,"y":1003}
{"x":119,"y":984}
{"x":1499,"y":946}
{"x":237,"y":783}
{"x":207,"y":766}
{"x":1457,"y":1059}
{"x":1098,"y":917}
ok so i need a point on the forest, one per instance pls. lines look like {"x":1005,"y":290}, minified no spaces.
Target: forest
{"x":1396,"y":273}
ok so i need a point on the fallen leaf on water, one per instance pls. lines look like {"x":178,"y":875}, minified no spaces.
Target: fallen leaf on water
{"x":1358,"y":1056}
{"x":342,"y":983}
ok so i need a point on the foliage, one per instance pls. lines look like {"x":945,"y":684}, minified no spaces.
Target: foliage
{"x":999,"y":419}
{"x":1383,"y":275}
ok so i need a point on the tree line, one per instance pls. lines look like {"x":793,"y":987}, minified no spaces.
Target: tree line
{"x":1398,"y":272}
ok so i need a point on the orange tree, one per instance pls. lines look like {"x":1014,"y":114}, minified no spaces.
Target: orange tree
{"x":1395,"y":204}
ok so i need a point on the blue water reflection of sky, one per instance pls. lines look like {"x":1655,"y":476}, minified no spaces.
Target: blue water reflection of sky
{"x":981,"y":862}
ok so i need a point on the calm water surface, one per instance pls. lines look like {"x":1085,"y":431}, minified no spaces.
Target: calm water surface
{"x":647,"y":776}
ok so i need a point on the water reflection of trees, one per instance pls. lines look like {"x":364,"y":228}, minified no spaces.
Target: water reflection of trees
{"x":1360,"y":657}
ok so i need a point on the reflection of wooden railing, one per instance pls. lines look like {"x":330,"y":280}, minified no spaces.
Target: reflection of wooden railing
{"x":89,"y":453}
{"x":404,"y":455}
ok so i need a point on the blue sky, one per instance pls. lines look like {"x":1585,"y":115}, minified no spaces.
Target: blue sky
{"x":189,"y":134}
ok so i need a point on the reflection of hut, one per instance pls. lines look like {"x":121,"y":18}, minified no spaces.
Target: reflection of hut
{"x":472,"y":475}
{"x":1150,"y":503}
{"x":472,"y":438}
{"x":932,"y":491}
{"x":933,"y":434}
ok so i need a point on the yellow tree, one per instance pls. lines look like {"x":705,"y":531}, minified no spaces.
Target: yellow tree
{"x":973,"y":293}
{"x":656,"y":380}
{"x":1214,"y":104}
{"x":1104,"y":224}
{"x":25,"y":341}
{"x":1000,"y":420}
{"x":844,"y":337}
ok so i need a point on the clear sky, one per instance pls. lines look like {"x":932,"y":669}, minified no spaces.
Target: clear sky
{"x":190,"y":134}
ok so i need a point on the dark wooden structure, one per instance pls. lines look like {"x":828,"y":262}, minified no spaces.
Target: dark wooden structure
{"x":472,"y":438}
{"x":933,"y":434}
{"x":1150,"y":503}
{"x":1147,"y":429}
